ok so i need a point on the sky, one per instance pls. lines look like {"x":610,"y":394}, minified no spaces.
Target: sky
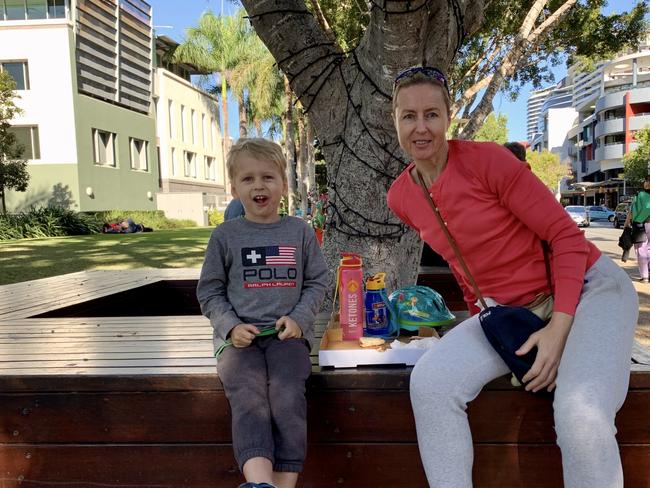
{"x":172,"y":17}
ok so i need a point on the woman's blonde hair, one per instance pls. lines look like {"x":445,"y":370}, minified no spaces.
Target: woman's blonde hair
{"x":421,"y":79}
{"x":259,"y":148}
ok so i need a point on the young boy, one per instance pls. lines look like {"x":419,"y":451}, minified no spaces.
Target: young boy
{"x":263,"y":273}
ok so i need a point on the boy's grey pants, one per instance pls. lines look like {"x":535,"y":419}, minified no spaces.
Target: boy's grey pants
{"x":265,"y":385}
{"x":591,"y":383}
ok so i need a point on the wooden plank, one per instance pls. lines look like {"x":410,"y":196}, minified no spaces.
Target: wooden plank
{"x":355,"y":465}
{"x":334,"y":417}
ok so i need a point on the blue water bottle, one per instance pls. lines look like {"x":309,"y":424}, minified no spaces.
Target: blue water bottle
{"x":377,"y":314}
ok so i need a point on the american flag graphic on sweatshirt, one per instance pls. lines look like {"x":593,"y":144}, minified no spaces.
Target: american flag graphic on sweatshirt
{"x":269,"y":256}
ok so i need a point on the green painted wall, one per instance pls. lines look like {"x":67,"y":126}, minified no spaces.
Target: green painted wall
{"x":117,"y":187}
{"x":49,"y":184}
{"x":113,"y":188}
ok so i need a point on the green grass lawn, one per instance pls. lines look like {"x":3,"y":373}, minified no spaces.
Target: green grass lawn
{"x":29,"y":259}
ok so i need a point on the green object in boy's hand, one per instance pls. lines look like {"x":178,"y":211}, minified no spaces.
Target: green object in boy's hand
{"x":263,"y":331}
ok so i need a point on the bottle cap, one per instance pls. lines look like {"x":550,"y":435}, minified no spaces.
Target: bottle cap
{"x":376,"y":282}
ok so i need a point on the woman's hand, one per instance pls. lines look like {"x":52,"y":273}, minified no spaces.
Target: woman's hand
{"x":242,"y":335}
{"x":291,"y":328}
{"x":550,"y":342}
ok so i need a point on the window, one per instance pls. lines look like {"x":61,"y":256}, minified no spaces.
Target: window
{"x":32,"y":9}
{"x":139,"y":158}
{"x":104,"y":147}
{"x":36,"y":9}
{"x":170,"y":115}
{"x":183,"y":123}
{"x":210,"y":169}
{"x":56,"y":9}
{"x":14,"y":10}
{"x":174,"y":161}
{"x":27,"y":137}
{"x":18,"y":71}
{"x":213,"y":129}
{"x":193,"y":128}
{"x":190,"y":164}
{"x":203,"y":131}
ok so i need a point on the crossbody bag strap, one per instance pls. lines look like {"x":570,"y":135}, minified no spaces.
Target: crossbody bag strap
{"x":451,"y":240}
{"x":547,"y":264}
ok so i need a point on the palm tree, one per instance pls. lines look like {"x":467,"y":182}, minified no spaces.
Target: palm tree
{"x":216,"y":44}
{"x":258,"y":83}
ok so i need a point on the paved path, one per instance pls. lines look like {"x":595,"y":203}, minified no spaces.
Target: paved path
{"x":605,"y":237}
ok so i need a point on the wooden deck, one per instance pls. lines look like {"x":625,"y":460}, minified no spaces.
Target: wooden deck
{"x":95,"y":390}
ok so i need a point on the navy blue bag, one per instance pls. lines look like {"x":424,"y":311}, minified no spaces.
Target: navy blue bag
{"x":506,"y":329}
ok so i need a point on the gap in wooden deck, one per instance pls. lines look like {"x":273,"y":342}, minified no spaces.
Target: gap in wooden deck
{"x":165,"y":297}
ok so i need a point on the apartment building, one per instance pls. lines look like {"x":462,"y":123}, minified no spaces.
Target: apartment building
{"x":555,"y":118}
{"x":192,"y":166}
{"x":612,"y":101}
{"x":534,"y":107}
{"x":84,"y":76}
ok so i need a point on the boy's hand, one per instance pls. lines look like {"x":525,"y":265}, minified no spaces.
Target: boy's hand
{"x":243,"y":334}
{"x":291,"y":328}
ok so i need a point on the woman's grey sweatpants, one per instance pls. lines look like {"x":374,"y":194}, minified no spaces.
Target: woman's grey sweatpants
{"x":591,"y":384}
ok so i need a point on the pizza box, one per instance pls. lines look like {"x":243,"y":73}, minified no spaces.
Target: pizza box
{"x":336,"y":352}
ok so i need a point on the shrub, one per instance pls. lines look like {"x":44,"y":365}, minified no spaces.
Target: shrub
{"x":149,"y":218}
{"x":47,"y":222}
{"x":215,"y":217}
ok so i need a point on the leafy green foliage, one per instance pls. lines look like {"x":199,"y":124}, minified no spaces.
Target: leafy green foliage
{"x":547,"y":166}
{"x":494,"y":129}
{"x":47,"y":222}
{"x":13,"y":169}
{"x":215,"y":217}
{"x":637,"y":162}
{"x":149,"y":218}
{"x":347,"y":19}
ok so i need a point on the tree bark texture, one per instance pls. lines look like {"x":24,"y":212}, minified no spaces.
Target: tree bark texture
{"x":290,"y":145}
{"x":243,"y":117}
{"x":348,"y":99}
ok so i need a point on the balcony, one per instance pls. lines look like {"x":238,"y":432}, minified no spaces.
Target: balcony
{"x":639,"y":121}
{"x":610,"y":151}
{"x":611,"y":126}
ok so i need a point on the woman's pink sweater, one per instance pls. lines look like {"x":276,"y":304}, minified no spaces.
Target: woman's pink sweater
{"x":498,"y":212}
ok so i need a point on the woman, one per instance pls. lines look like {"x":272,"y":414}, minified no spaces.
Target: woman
{"x":640,"y":214}
{"x":498,"y":211}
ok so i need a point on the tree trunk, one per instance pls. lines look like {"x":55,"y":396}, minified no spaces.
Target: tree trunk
{"x":243,"y":117}
{"x":290,"y":145}
{"x":347,"y":97}
{"x":4,"y":206}
{"x":225,"y":141}
{"x":311,"y":163}
{"x":303,"y":178}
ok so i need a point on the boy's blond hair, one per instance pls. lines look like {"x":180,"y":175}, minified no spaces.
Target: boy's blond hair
{"x":259,"y":148}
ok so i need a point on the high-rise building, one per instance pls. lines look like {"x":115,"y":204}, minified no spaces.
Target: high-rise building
{"x":535,"y":101}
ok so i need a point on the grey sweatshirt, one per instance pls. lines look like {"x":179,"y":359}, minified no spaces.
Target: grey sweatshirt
{"x":256,"y":273}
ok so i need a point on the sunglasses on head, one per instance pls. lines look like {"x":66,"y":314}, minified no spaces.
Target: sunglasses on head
{"x":427,"y":72}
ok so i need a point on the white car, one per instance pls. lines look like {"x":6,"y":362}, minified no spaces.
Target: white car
{"x":579,"y":215}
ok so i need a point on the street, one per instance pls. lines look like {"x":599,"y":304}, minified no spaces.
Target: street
{"x":605,"y":237}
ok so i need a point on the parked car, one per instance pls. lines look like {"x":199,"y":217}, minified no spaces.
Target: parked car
{"x":579,"y":215}
{"x":620,"y":214}
{"x":598,"y":212}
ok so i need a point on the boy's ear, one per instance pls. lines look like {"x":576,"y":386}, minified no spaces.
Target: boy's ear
{"x":233,"y":191}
